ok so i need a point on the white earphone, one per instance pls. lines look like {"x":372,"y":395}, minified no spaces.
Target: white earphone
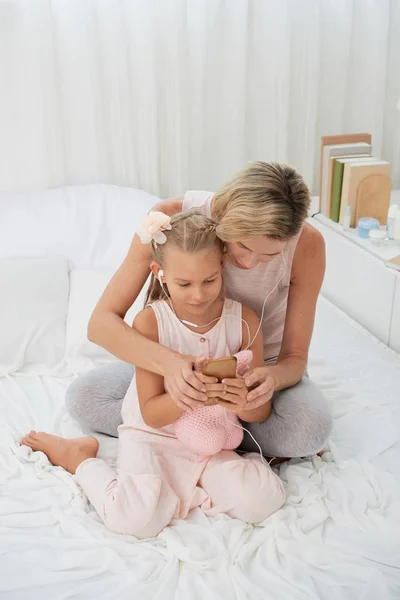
{"x":161,"y":274}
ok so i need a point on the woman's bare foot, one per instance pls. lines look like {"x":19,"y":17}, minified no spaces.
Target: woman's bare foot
{"x":68,"y":454}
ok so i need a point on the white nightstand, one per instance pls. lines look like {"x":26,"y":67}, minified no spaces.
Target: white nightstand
{"x":358,"y":281}
{"x":389,"y":249}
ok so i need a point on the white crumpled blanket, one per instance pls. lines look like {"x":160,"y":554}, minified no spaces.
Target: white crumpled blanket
{"x":337,"y":538}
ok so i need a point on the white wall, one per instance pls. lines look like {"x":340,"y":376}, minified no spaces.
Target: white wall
{"x":167,"y":95}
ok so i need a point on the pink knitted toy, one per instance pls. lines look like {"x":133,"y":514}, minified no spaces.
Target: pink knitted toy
{"x":210,"y":429}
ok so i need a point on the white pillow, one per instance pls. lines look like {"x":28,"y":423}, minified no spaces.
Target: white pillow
{"x":86,"y":287}
{"x":91,"y":225}
{"x":33,"y":311}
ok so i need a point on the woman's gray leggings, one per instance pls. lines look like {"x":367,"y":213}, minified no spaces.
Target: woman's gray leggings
{"x":299,"y":425}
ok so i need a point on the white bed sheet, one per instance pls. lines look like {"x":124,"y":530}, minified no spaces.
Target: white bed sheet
{"x":336,"y":538}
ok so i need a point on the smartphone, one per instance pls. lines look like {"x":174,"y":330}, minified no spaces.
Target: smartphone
{"x":220,"y":368}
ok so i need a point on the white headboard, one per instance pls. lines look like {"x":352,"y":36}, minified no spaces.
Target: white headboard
{"x":91,"y":225}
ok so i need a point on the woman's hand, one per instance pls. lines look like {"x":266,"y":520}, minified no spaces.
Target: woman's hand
{"x":261,"y":384}
{"x":230,"y":394}
{"x":184,"y":381}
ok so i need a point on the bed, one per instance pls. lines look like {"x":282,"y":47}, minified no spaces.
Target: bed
{"x":337,"y":537}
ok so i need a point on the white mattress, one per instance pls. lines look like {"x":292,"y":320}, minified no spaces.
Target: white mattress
{"x":336,"y":538}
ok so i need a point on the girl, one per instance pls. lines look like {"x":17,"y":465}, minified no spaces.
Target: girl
{"x":157,"y":478}
{"x":275,"y":266}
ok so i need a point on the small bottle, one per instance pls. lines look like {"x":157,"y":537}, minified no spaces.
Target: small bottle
{"x":397,"y":225}
{"x":394,"y":209}
{"x":347,"y":218}
{"x":377,"y":236}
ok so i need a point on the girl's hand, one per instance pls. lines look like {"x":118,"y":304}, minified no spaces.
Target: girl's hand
{"x":184,"y":381}
{"x":230,"y":393}
{"x":263,"y":386}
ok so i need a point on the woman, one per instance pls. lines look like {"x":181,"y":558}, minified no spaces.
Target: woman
{"x":273,"y":255}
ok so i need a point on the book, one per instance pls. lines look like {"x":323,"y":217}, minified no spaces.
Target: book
{"x":354,"y":174}
{"x":329,"y":140}
{"x":373,"y":197}
{"x":338,"y":209}
{"x":393,"y":263}
{"x":331,"y":166}
{"x":335,"y":189}
{"x":335,"y":151}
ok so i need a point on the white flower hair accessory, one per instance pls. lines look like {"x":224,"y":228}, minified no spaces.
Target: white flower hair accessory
{"x":152,"y":227}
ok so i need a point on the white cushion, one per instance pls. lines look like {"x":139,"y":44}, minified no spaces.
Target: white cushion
{"x":33,"y":311}
{"x":91,"y":225}
{"x":86,"y":287}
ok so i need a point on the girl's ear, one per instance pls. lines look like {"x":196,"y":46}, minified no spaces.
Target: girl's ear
{"x":224,"y":258}
{"x":155,"y":268}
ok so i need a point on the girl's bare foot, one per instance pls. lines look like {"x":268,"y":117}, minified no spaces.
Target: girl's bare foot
{"x":68,"y":454}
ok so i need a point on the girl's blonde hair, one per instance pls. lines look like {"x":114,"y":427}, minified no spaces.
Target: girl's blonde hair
{"x":268,"y":199}
{"x":190,"y":232}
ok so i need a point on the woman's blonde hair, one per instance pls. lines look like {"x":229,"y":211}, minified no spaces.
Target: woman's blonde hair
{"x":190,"y":232}
{"x":268,"y":199}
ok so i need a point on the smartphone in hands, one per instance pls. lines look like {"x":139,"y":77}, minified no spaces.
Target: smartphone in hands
{"x":221,"y":368}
